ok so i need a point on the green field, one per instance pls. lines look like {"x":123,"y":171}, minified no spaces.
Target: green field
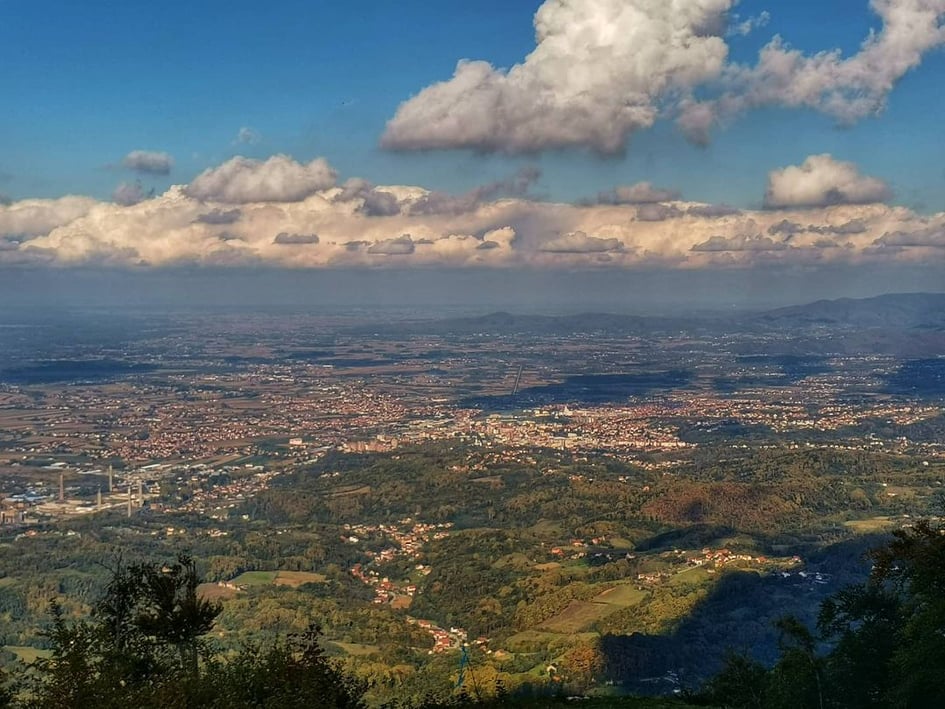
{"x":297,"y":578}
{"x":697,"y":574}
{"x":870,"y":525}
{"x":623,"y":595}
{"x":279,"y":578}
{"x":579,"y":615}
{"x":255,"y":578}
{"x":357,"y":649}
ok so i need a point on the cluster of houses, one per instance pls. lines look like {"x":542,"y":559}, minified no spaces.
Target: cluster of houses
{"x":407,"y":538}
{"x":443,"y":639}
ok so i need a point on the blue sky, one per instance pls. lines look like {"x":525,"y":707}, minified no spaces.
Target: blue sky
{"x":588,"y":145}
{"x":85,"y":83}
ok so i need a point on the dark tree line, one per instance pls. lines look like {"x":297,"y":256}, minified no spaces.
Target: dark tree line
{"x":146,"y":645}
{"x":877,"y":644}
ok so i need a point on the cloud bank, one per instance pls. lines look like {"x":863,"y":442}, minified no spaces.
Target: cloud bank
{"x":602,"y":70}
{"x":284,"y":213}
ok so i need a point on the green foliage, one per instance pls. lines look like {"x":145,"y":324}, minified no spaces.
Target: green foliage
{"x":147,"y":610}
{"x":289,"y":673}
{"x":880,"y":644}
{"x":742,"y":684}
{"x":143,"y":646}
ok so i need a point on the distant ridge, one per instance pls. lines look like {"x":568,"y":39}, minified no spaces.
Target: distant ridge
{"x":895,"y":310}
{"x":503,"y":322}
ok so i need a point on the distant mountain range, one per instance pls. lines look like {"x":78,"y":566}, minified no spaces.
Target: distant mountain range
{"x":897,"y":310}
{"x":894,"y":311}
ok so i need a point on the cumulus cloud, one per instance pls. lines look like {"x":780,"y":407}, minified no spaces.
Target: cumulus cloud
{"x":820,"y":181}
{"x":745,"y":27}
{"x":128,"y":193}
{"x":603,"y":69}
{"x":846,"y":88}
{"x":32,"y":217}
{"x":177,"y":228}
{"x":287,"y":239}
{"x":374,"y":202}
{"x":597,"y":74}
{"x":279,"y":179}
{"x":577,"y":242}
{"x":401,"y":246}
{"x":149,"y":162}
{"x":640,"y":193}
{"x":219,"y":216}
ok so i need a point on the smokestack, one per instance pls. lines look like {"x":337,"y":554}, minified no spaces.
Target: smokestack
{"x":111,"y":480}
{"x":140,"y":493}
{"x":62,"y":487}
{"x":129,"y":499}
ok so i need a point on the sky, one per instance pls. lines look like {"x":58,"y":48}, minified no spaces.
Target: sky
{"x":615,"y":141}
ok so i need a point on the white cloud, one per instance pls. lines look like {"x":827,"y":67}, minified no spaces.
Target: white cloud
{"x":597,"y":74}
{"x":820,"y":181}
{"x":279,"y":179}
{"x":148,"y":161}
{"x":401,"y":246}
{"x":604,"y":69}
{"x":846,"y":88}
{"x":745,"y":27}
{"x":177,"y":228}
{"x":32,"y":217}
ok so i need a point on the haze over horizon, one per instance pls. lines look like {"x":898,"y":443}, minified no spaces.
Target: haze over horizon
{"x":626,"y":154}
